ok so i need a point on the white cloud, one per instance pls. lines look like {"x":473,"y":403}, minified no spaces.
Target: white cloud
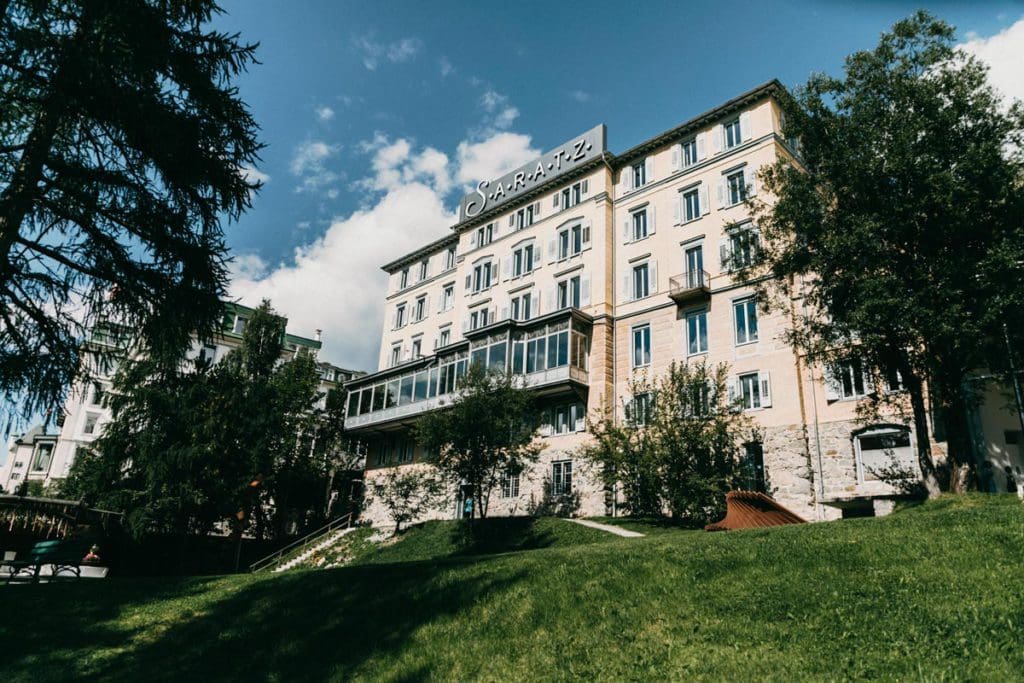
{"x":324,"y":114}
{"x":446,"y":66}
{"x":335,"y":283}
{"x":1004,"y":54}
{"x":580,"y":95}
{"x":253,"y":175}
{"x":373,"y":53}
{"x":309,"y":163}
{"x":396,"y":163}
{"x":492,"y":157}
{"x":499,"y":114}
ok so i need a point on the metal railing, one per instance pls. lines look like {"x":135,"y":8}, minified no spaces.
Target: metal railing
{"x":301,"y":544}
{"x":690,"y":281}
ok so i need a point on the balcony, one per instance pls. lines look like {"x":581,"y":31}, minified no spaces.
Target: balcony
{"x":396,"y":414}
{"x":694,"y":285}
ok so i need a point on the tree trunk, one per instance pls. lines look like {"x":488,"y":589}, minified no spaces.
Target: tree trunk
{"x":961,"y":453}
{"x":915,"y":388}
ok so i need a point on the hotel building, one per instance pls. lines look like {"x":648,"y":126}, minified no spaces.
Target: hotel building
{"x":584,"y":270}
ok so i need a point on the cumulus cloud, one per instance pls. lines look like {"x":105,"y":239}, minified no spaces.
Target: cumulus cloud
{"x":499,"y":114}
{"x":335,"y":282}
{"x":309,"y":164}
{"x":1004,"y":55}
{"x":324,"y":114}
{"x":373,"y":52}
{"x":492,"y":157}
{"x":253,"y":175}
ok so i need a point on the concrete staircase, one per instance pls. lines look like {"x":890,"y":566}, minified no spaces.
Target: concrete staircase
{"x":329,"y":540}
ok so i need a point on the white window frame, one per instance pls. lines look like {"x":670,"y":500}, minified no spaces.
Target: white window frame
{"x":639,"y":173}
{"x":509,"y":485}
{"x":638,"y":219}
{"x":396,"y":354}
{"x":424,"y":269}
{"x":403,"y":278}
{"x":444,"y":338}
{"x":568,"y":238}
{"x":686,"y":194}
{"x":400,"y":318}
{"x":420,"y":309}
{"x":637,"y":333}
{"x":735,"y":187}
{"x":521,"y":306}
{"x":447,"y":297}
{"x":449,"y":259}
{"x":483,"y":276}
{"x":688,"y":148}
{"x":519,"y":258}
{"x":561,"y":477}
{"x":752,"y":380}
{"x":484,"y":235}
{"x":644,"y":267}
{"x":732,"y":133}
{"x":698,"y":314}
{"x":746,"y":303}
{"x":568,"y":292}
{"x":417,"y":348}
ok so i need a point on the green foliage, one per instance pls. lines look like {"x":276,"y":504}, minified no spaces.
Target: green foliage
{"x":122,"y":139}
{"x":410,"y":492}
{"x":900,"y":238}
{"x":871,"y":599}
{"x":678,"y":449}
{"x":487,"y":430}
{"x":188,"y":440}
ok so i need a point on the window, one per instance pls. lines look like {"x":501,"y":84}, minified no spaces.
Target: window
{"x":521,"y":306}
{"x":524,"y":217}
{"x":417,"y":348}
{"x":639,"y":172}
{"x":691,"y":205}
{"x":569,"y":293}
{"x":750,"y":391}
{"x":849,"y":380}
{"x":208,"y":352}
{"x":41,"y":462}
{"x":745,"y":313}
{"x":572,"y":240}
{"x":448,"y":298}
{"x":420,"y":311}
{"x":568,"y":418}
{"x":641,"y":346}
{"x":641,"y":281}
{"x":752,"y":467}
{"x":639,"y":410}
{"x":736,"y":188}
{"x":403,"y":278}
{"x":733,"y":134}
{"x":91,"y":422}
{"x":639,"y":224}
{"x":99,"y":395}
{"x":483,"y":276}
{"x":240,"y":322}
{"x":479,"y":318}
{"x":424,"y":269}
{"x":399,"y":316}
{"x":697,"y":332}
{"x":561,"y":478}
{"x":884,"y":449}
{"x":523,"y":260}
{"x":449,"y":259}
{"x":571,"y":196}
{"x":689,"y":152}
{"x":743,"y":247}
{"x":509,"y":485}
{"x":548,"y":347}
{"x":485,"y":235}
{"x":396,"y":354}
{"x":444,"y":338}
{"x":694,"y":259}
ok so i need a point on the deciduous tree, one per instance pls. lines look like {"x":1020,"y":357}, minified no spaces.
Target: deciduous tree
{"x":897,"y":236}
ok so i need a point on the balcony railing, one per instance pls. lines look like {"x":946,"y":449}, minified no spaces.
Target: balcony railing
{"x":690,"y":286}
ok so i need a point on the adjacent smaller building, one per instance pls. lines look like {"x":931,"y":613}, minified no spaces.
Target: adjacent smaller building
{"x":28,"y":459}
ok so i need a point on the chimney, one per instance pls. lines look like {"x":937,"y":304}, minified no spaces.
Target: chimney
{"x":318,"y":335}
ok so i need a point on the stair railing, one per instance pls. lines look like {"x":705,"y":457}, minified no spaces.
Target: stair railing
{"x":343,"y":522}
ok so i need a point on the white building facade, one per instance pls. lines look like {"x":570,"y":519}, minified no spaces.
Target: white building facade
{"x":585,"y":270}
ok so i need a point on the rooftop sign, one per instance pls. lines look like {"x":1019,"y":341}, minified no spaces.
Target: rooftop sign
{"x":567,"y":157}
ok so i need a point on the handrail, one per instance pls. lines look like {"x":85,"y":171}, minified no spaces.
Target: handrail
{"x":343,"y":521}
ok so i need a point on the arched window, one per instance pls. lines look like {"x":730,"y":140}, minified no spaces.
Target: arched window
{"x":884,"y":453}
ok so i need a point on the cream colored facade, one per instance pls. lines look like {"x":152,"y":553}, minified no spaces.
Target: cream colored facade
{"x":640,"y":216}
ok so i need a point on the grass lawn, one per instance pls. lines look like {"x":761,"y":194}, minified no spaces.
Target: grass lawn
{"x":931,"y":593}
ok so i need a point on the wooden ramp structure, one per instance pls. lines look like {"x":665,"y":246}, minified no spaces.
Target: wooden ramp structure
{"x":751,"y":510}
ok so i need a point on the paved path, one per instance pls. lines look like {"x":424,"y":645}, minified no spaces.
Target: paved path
{"x":617,"y":530}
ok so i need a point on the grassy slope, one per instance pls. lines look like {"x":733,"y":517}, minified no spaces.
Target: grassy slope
{"x":930,"y":593}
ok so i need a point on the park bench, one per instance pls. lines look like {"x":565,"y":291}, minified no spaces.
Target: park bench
{"x":64,"y":558}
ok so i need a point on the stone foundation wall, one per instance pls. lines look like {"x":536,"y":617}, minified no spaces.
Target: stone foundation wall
{"x":788,"y":472}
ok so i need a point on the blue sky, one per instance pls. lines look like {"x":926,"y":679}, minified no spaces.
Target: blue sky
{"x":377,"y":115}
